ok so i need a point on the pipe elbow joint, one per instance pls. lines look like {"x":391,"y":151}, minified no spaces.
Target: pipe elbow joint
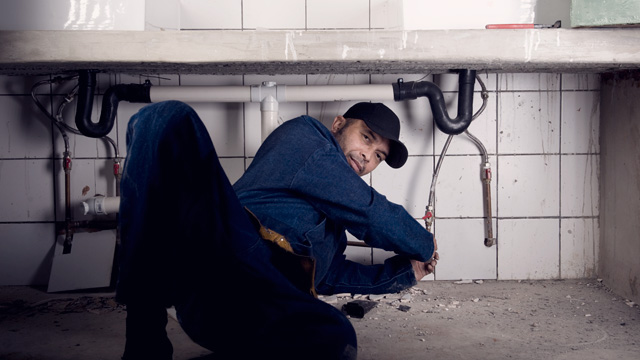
{"x":466,"y":81}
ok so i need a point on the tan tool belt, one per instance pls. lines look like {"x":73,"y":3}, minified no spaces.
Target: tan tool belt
{"x":299,"y":269}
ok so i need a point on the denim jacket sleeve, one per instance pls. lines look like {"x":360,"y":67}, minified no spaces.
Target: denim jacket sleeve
{"x":337,"y":191}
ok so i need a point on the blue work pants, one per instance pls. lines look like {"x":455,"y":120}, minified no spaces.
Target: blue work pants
{"x":188,"y":242}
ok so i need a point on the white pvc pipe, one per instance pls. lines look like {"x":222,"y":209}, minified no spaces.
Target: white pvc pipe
{"x":269,"y":115}
{"x":269,"y":94}
{"x":336,"y":92}
{"x":101,"y":205}
{"x":282,"y":93}
{"x":201,"y":93}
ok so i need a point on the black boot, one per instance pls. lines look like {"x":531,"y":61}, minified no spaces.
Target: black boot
{"x":146,"y":336}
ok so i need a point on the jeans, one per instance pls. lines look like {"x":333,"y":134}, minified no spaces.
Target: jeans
{"x":188,"y":242}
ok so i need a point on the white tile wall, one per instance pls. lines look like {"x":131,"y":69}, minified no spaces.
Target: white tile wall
{"x":540,"y":130}
{"x":20,"y":120}
{"x":528,"y":185}
{"x":464,"y":239}
{"x":578,"y":248}
{"x":26,"y":190}
{"x":580,"y":122}
{"x":259,"y":14}
{"x":579,"y":185}
{"x":528,"y":249}
{"x":529,"y":122}
{"x":206,"y":14}
{"x":337,"y":14}
{"x":26,"y":252}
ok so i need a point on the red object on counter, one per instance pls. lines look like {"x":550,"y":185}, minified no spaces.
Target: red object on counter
{"x":510,"y":26}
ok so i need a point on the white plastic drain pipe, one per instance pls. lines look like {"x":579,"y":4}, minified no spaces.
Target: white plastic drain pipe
{"x":269,"y":95}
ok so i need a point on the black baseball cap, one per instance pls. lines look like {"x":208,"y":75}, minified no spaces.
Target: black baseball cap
{"x":384,"y":122}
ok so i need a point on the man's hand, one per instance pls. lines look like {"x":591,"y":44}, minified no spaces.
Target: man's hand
{"x":422,"y":269}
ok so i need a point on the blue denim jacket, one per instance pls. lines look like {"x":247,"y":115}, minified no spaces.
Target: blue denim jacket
{"x":301,"y":186}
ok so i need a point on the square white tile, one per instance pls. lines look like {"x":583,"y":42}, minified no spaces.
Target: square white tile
{"x":275,"y":14}
{"x":460,"y":189}
{"x":528,"y":122}
{"x":579,"y":239}
{"x":225,"y":123}
{"x":581,"y":81}
{"x":337,"y":14}
{"x":205,"y":14}
{"x":407,"y":186}
{"x":162,"y":15}
{"x":463,"y":254}
{"x":387,"y":14}
{"x":26,"y":131}
{"x":87,"y":266}
{"x":580,"y":194}
{"x":528,"y":185}
{"x":580,"y":122}
{"x":26,"y":251}
{"x":528,"y":249}
{"x":528,"y":81}
{"x":233,"y":168}
{"x":26,"y":190}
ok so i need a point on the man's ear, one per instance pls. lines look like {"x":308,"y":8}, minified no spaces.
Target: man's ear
{"x":338,"y":123}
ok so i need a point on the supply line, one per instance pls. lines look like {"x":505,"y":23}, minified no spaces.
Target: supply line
{"x":429,"y":216}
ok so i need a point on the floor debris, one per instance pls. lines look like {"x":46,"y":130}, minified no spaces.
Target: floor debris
{"x":498,"y":320}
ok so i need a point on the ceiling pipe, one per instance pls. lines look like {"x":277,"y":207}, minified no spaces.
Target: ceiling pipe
{"x":257,"y":93}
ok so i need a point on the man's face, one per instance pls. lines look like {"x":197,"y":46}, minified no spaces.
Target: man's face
{"x":364,"y":149}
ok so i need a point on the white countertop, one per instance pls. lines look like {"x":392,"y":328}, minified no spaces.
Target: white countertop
{"x":319,"y":52}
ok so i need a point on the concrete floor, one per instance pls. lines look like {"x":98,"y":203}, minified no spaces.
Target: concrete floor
{"x":569,"y":319}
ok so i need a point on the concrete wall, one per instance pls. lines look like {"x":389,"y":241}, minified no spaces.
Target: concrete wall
{"x":619,"y":263}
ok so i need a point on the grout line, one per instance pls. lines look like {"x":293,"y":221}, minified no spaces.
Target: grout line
{"x":244,"y":130}
{"x":306,"y":17}
{"x":560,"y":182}
{"x":549,"y":217}
{"x":53,"y":160}
{"x":497,"y":171}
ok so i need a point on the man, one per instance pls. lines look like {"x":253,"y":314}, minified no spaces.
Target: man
{"x":242,"y":265}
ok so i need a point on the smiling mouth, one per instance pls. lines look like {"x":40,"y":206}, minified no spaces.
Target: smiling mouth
{"x":357,"y":167}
